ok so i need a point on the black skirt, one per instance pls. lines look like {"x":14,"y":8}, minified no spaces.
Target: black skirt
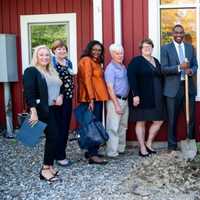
{"x":158,"y":113}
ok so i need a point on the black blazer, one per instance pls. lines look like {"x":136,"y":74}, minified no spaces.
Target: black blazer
{"x":141,"y":80}
{"x":36,"y":92}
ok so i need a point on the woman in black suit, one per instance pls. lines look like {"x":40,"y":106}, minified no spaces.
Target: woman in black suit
{"x":146,"y":102}
{"x":42,"y":92}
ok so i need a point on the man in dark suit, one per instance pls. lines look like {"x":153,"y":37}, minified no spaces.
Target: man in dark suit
{"x":178,"y":58}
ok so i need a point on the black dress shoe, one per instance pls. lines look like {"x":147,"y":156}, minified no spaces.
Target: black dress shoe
{"x":98,"y":163}
{"x":143,"y":155}
{"x":150,"y":150}
{"x":86,"y":155}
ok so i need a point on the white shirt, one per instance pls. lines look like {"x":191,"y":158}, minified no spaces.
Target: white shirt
{"x":177,"y":48}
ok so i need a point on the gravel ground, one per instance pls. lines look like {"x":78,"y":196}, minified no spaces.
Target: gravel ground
{"x":118,"y":180}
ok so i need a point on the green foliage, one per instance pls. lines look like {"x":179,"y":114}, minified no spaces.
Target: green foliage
{"x":165,"y":37}
{"x":184,"y":16}
{"x":46,"y":34}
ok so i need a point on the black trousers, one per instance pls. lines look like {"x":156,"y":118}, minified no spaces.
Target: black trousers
{"x":174,"y":106}
{"x":52,"y":134}
{"x":66,"y":112}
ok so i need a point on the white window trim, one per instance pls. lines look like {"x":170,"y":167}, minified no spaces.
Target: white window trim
{"x":154,"y":25}
{"x":184,"y":5}
{"x":70,"y":18}
{"x":97,"y":20}
{"x":154,"y":30}
{"x":117,"y":22}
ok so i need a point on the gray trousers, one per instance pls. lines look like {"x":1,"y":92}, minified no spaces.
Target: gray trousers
{"x":116,"y":126}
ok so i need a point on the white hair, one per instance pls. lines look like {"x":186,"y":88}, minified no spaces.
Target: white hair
{"x":116,"y":47}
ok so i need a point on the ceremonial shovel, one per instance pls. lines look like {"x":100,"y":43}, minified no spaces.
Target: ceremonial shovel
{"x":188,"y":146}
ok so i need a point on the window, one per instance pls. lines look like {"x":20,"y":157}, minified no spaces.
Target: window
{"x":165,"y":14}
{"x":184,"y":16}
{"x":46,"y":33}
{"x":178,"y":12}
{"x":44,"y":29}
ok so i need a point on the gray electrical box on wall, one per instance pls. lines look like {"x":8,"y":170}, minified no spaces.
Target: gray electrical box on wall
{"x":8,"y":58}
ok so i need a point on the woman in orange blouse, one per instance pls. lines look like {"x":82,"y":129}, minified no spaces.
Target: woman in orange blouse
{"x":92,"y":88}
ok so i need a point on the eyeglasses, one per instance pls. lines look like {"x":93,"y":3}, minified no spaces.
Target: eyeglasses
{"x":147,"y":47}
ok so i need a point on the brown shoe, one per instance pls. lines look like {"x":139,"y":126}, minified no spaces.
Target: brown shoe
{"x":97,"y":160}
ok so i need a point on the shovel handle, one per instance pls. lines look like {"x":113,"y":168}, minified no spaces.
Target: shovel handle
{"x":187,"y":102}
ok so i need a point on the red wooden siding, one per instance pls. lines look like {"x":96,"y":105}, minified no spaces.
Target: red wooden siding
{"x":10,"y":11}
{"x":108,"y":26}
{"x":134,"y":29}
{"x":134,"y":26}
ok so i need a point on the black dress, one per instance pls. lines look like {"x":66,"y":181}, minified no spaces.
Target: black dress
{"x":148,"y":86}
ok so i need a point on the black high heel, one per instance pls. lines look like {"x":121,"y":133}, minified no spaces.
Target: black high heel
{"x":51,"y":179}
{"x":143,"y":155}
{"x":56,"y":173}
{"x":150,"y":150}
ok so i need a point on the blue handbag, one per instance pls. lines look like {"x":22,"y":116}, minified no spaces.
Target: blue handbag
{"x":83,"y":115}
{"x":30,"y":135}
{"x":91,"y":132}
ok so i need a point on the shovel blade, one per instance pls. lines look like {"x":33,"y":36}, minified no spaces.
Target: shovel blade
{"x":188,"y":148}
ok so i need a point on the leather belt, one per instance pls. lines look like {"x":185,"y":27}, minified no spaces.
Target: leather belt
{"x":121,"y":97}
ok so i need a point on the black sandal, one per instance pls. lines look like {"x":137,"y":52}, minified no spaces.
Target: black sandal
{"x":56,"y":173}
{"x":51,"y":179}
